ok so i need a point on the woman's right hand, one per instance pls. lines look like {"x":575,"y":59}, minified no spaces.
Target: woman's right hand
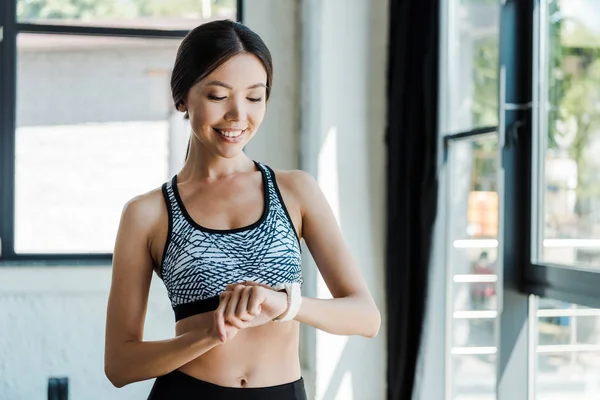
{"x":229,"y":303}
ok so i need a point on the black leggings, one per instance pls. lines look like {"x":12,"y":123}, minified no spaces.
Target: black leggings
{"x":180,"y":386}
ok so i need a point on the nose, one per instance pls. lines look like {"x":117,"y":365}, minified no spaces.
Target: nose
{"x":236,"y":111}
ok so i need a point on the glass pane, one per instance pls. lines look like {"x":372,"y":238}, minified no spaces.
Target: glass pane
{"x":472,"y":266}
{"x":96,"y":135}
{"x":476,"y":296}
{"x":474,"y":377}
{"x":473,"y":64}
{"x":568,"y":352}
{"x":155,"y":14}
{"x":571,"y":136}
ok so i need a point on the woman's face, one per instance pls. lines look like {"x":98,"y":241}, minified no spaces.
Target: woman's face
{"x":227,"y":107}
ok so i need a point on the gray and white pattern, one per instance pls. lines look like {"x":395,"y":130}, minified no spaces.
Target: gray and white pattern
{"x":199,"y":263}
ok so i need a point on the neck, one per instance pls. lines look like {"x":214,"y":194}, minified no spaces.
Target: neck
{"x":205,"y":165}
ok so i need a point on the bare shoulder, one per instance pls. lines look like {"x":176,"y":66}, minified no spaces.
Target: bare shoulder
{"x":147,"y":208}
{"x":145,"y":214}
{"x":143,"y":227}
{"x":295,"y":187}
{"x":297,"y":182}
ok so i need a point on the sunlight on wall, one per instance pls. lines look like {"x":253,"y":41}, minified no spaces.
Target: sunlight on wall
{"x":331,"y":348}
{"x":328,"y":171}
{"x":346,"y":392}
{"x":328,"y":178}
{"x":330,"y":354}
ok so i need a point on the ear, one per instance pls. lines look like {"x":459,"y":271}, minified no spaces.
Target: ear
{"x":181,"y":107}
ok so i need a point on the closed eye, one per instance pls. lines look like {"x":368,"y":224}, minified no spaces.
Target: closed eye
{"x":254,"y":100}
{"x":215,"y":98}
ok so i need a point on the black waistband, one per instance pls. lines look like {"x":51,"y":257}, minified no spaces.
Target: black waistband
{"x":178,"y":385}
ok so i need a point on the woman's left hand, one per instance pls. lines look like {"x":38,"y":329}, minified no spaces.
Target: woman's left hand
{"x":256,"y":299}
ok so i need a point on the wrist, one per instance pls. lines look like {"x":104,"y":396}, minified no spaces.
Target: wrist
{"x":294,"y":300}
{"x":284,"y":300}
{"x":207,"y":336}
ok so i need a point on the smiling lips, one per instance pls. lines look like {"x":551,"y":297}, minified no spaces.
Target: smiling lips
{"x":230,"y":133}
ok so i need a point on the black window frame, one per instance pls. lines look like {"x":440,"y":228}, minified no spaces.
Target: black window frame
{"x":519,"y":30}
{"x":568,"y":283}
{"x":520,"y":276}
{"x":514,"y":137}
{"x":10,"y":28}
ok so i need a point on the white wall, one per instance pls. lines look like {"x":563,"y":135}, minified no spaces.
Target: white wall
{"x":277,"y":22}
{"x":52,"y":324}
{"x":343,"y":125}
{"x":329,"y":73}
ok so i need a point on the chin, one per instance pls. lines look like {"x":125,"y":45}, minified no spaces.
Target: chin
{"x":231,"y":153}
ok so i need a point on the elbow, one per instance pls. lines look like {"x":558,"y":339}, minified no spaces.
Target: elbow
{"x":117,"y":366}
{"x":374,"y":324}
{"x":114,"y":376}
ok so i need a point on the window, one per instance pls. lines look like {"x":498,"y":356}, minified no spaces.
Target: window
{"x":567,"y":351}
{"x":472,"y":73}
{"x":569,"y":168}
{"x":473,"y":265}
{"x":565,"y":251}
{"x":88,"y":121}
{"x":523,"y":266}
{"x":471,"y":150}
{"x":153,"y":14}
{"x":104,"y":108}
{"x":566,"y":202}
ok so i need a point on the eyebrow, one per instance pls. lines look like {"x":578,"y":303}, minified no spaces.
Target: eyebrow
{"x":219,"y":83}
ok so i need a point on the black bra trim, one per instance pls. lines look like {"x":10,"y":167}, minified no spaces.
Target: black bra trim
{"x":283,"y":206}
{"x":196,"y":307}
{"x":169,"y":231}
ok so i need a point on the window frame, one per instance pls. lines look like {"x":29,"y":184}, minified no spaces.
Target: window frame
{"x":513,"y":360}
{"x":514,"y":138}
{"x":521,"y":106}
{"x":521,"y":278}
{"x":9,"y":29}
{"x":568,"y":283}
{"x":451,"y":290}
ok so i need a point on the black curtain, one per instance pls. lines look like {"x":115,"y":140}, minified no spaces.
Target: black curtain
{"x":412,"y":135}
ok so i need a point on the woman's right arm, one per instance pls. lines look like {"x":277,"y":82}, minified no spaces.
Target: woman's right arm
{"x":127,"y":357}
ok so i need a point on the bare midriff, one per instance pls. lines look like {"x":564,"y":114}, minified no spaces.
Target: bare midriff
{"x":263,"y":356}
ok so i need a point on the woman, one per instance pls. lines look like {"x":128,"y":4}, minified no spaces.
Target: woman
{"x":224,"y":235}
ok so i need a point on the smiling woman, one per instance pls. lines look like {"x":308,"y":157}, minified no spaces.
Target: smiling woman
{"x":224,"y":235}
{"x":240,"y":57}
{"x":243,"y":107}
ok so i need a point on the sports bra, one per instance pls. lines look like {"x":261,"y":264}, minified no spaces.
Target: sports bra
{"x":198,"y":262}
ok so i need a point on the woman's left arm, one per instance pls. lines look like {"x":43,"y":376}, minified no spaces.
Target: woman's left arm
{"x":352,"y":311}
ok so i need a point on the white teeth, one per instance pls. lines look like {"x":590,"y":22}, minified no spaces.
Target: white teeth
{"x":230,"y":134}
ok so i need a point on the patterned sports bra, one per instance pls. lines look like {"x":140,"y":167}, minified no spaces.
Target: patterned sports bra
{"x":198,"y":263}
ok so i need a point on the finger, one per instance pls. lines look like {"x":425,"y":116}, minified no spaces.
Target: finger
{"x":232,"y":286}
{"x":232,"y":304}
{"x":219,"y":315}
{"x":230,"y":311}
{"x":224,"y":294}
{"x":255,"y":301}
{"x":242,"y":308}
{"x":231,"y":298}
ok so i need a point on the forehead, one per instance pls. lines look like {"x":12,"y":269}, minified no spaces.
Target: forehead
{"x":240,"y":71}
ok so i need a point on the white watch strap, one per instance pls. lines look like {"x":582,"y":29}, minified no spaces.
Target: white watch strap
{"x":294,"y":295}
